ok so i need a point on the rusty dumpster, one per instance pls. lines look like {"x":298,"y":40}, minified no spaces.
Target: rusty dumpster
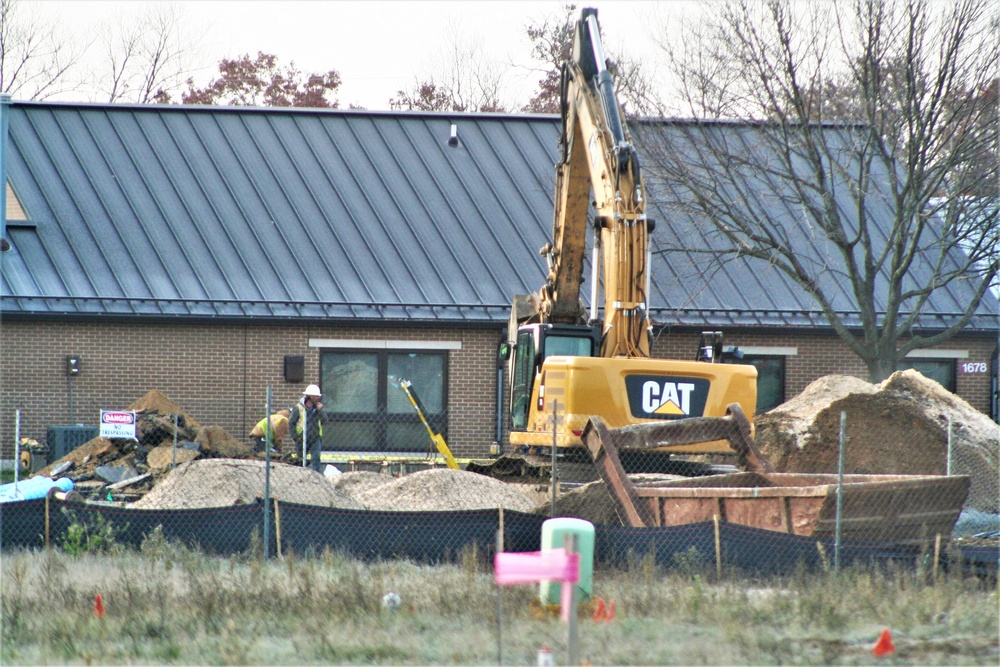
{"x":880,"y":508}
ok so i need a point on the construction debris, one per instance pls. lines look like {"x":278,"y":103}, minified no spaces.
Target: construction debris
{"x":165,"y":434}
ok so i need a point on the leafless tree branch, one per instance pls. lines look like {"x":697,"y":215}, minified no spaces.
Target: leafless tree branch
{"x":863,"y":163}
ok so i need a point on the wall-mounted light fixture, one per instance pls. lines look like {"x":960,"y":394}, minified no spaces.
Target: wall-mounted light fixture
{"x":453,"y":139}
{"x":72,"y":365}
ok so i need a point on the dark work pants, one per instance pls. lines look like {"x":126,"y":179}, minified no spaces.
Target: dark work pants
{"x":315,"y":451}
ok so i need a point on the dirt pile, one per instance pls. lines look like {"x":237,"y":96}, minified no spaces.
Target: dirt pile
{"x":897,"y":427}
{"x":359,"y":481}
{"x":230,"y":482}
{"x":158,"y":402}
{"x":444,"y":489}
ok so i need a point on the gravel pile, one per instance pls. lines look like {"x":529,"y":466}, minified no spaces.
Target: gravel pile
{"x":229,"y":482}
{"x":444,"y":489}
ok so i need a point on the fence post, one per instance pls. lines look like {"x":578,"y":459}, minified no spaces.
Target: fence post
{"x":553,"y":477}
{"x":173,"y":463}
{"x":947,"y":469}
{"x":500,"y":541}
{"x":267,"y":475}
{"x":277,"y":527}
{"x":47,"y":521}
{"x":571,"y":547}
{"x":17,"y":448}
{"x":840,"y":490}
{"x":937,"y":555}
{"x":718,"y":547}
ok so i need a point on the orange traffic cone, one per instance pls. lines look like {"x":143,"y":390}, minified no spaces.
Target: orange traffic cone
{"x":609,"y":615}
{"x":98,"y":606}
{"x":599,"y":610}
{"x":884,"y":644}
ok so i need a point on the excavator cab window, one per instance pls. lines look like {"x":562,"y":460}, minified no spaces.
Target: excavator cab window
{"x":568,"y":346}
{"x":523,"y":376}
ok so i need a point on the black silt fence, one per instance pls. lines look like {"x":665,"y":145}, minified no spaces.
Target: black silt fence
{"x":438,"y":537}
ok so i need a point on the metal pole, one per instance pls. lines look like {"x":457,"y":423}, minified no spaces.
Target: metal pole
{"x":305,"y":432}
{"x":267,"y":476}
{"x":72,"y":416}
{"x":17,"y":448}
{"x":840,"y":490}
{"x":569,"y":544}
{"x":554,"y":478}
{"x":947,"y":469}
{"x":499,"y":596}
{"x":173,"y":462}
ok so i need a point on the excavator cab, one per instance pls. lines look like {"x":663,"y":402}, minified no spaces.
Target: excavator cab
{"x":535,"y":343}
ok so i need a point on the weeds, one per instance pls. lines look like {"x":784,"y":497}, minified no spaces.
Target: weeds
{"x":170,"y":604}
{"x":82,"y":537}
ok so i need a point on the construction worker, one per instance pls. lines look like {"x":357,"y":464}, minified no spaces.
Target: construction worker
{"x":279,"y":427}
{"x":307,"y":411}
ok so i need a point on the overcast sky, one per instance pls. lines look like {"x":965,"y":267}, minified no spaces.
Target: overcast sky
{"x":379,"y":47}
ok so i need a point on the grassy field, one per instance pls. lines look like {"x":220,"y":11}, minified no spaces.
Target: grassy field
{"x":165,"y":604}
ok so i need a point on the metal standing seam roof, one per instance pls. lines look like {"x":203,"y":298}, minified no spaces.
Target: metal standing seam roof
{"x":192,"y":211}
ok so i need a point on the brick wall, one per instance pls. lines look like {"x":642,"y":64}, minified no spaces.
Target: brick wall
{"x":218,"y":373}
{"x":825,"y":354}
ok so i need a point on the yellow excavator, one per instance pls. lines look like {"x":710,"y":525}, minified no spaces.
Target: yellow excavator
{"x":562,"y":359}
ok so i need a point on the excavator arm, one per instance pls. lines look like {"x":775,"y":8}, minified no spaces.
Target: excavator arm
{"x":598,"y":160}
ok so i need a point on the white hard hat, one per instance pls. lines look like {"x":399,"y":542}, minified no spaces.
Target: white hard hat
{"x":312,"y":390}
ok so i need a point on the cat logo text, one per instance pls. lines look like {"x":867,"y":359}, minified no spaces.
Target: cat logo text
{"x":666,"y":397}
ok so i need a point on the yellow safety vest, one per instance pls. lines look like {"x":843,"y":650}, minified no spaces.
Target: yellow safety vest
{"x":302,"y":418}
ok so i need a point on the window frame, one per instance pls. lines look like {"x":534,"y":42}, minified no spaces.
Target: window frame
{"x":907,"y":363}
{"x":381,"y":418}
{"x":782,"y":379}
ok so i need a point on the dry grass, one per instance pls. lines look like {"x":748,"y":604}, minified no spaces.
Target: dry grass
{"x":169,"y":605}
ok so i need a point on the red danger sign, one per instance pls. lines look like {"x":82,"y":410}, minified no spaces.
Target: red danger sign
{"x":117,"y":424}
{"x":118,"y":418}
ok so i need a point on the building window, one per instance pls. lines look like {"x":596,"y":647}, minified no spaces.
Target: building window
{"x":770,"y":379}
{"x":941,"y":371}
{"x":367,"y":411}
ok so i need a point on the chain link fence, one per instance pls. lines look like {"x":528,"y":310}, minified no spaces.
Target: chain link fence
{"x":225,"y":495}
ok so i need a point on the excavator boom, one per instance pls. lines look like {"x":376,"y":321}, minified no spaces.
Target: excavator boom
{"x":566,"y":365}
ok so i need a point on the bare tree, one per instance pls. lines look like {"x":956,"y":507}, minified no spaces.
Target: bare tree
{"x":465,"y":79}
{"x":863,"y":164}
{"x":35,"y":58}
{"x":552,"y":44}
{"x":147,"y":55}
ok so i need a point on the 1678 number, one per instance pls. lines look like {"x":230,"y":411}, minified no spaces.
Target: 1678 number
{"x":973,"y":367}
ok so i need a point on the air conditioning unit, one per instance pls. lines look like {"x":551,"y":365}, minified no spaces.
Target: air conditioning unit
{"x":62,"y":440}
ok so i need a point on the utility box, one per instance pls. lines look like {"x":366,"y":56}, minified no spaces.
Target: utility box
{"x":61,"y":440}
{"x":554,"y":533}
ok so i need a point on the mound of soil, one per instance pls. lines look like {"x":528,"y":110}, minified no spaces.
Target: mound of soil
{"x":897,"y":427}
{"x":215,"y":441}
{"x":359,"y":481}
{"x":228,"y":482}
{"x":156,"y":401}
{"x":444,"y":489}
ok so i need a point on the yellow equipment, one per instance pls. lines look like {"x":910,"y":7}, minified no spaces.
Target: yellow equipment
{"x":436,"y":438}
{"x":588,"y":365}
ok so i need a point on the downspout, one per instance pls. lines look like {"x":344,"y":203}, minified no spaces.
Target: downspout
{"x":498,"y":436}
